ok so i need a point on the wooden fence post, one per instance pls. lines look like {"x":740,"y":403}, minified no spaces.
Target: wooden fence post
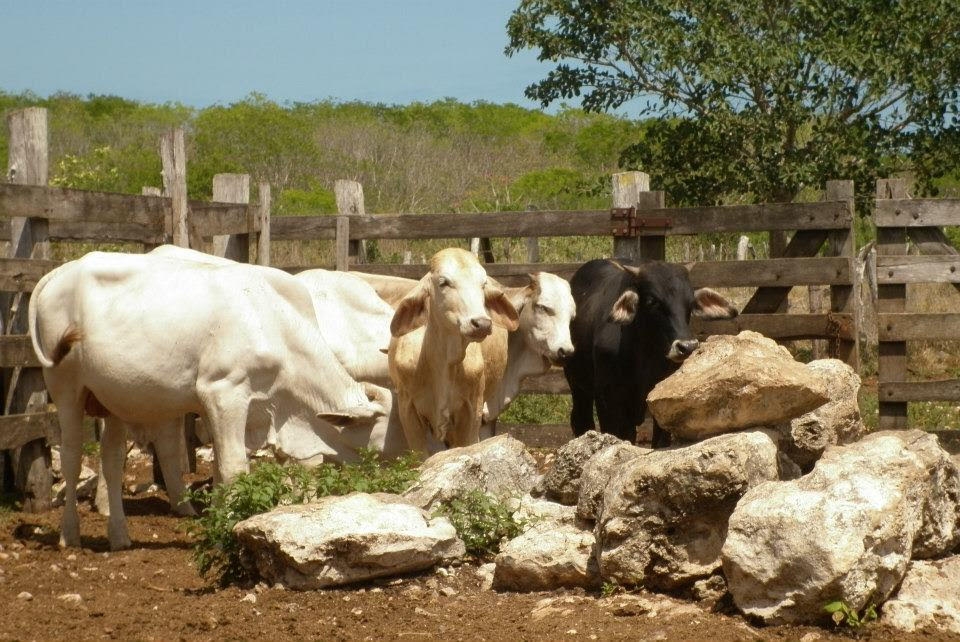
{"x":28,"y":165}
{"x":845,"y":298}
{"x":349,"y":195}
{"x":174,"y":157}
{"x":632,"y":189}
{"x":263,"y":214}
{"x":232,"y":188}
{"x":892,"y":363}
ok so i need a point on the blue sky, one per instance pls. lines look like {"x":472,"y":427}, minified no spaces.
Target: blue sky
{"x":214,"y":51}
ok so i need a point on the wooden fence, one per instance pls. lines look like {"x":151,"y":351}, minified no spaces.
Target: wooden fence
{"x":820,"y":253}
{"x":919,"y":221}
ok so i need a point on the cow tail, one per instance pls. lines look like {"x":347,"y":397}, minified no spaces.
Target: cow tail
{"x":35,"y":331}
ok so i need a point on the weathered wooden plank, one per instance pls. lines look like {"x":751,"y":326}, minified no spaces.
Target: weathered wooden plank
{"x":917,"y":212}
{"x":101,"y":232}
{"x":16,"y":351}
{"x":234,"y":245}
{"x":63,"y":204}
{"x":892,"y":360}
{"x":221,"y":219}
{"x":29,"y":239}
{"x":904,"y":391}
{"x":20,"y":429}
{"x":173,"y":158}
{"x":906,"y":326}
{"x":716,"y":274}
{"x":771,"y":272}
{"x":263,"y":224}
{"x":918,"y":269}
{"x":349,"y":197}
{"x":844,"y":297}
{"x":685,"y":220}
{"x":627,"y":188}
{"x":343,"y":243}
{"x":833,"y":326}
{"x":21,"y":275}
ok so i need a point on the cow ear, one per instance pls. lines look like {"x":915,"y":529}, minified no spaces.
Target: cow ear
{"x":625,"y":309}
{"x":710,"y":304}
{"x":501,"y":310}
{"x":411,"y":312}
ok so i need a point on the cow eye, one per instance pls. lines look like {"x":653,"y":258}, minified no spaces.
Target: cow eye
{"x":542,"y":308}
{"x":650,"y":301}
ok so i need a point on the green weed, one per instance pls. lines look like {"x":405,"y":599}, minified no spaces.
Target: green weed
{"x":482,"y":522}
{"x":843,"y":615}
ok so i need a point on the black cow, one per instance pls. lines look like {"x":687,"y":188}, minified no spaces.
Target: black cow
{"x":632,"y":329}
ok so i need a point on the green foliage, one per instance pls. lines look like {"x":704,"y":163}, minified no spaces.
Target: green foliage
{"x":216,"y":549}
{"x":843,"y":615}
{"x":481,"y":521}
{"x":610,"y":588}
{"x":538,"y":409}
{"x":759,"y":99}
{"x":305,"y":202}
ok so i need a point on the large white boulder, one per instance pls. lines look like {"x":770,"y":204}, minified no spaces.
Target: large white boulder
{"x":846,"y":531}
{"x":836,"y":422}
{"x":342,"y":540}
{"x":734,"y":382}
{"x":548,"y":556}
{"x":500,"y":467}
{"x":927,"y":598}
{"x":664,"y":515}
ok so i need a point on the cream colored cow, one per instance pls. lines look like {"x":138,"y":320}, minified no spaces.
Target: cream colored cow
{"x":436,"y":362}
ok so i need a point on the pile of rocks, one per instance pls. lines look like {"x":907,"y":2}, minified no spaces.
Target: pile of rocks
{"x":771,"y":493}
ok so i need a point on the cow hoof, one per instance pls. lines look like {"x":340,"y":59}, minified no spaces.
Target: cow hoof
{"x":121,"y":544}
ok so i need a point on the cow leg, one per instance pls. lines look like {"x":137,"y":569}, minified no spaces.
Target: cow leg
{"x":581,"y":393}
{"x":614,"y":409}
{"x":113,"y":451}
{"x":414,"y":430}
{"x":661,"y":438}
{"x":170,"y":446}
{"x":71,"y":442}
{"x":226,"y":411}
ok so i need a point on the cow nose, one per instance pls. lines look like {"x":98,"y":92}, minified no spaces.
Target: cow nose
{"x":564,"y":353}
{"x":686,"y":348}
{"x":481,"y":325}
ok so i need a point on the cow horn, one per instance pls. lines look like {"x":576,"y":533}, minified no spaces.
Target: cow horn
{"x":626,"y":268}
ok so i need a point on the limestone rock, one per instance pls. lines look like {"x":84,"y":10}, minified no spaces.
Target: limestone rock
{"x":341,"y":540}
{"x":664,"y":515}
{"x":86,"y":487}
{"x":546,"y":557}
{"x":562,"y":481}
{"x":843,"y":532}
{"x":731,"y":383}
{"x":500,"y":466}
{"x":597,"y":472}
{"x":927,"y":598}
{"x":836,"y":422}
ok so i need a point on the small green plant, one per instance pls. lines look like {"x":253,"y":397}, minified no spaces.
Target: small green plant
{"x":843,"y":615}
{"x":610,"y":588}
{"x":216,"y":549}
{"x":482,"y":522}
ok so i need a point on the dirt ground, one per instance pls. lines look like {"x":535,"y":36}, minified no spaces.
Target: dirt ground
{"x":153,"y":592}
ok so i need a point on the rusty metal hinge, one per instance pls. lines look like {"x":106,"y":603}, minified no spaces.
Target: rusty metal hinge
{"x":625,"y":223}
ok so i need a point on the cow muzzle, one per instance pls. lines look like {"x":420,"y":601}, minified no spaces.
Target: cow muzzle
{"x":561,"y":354}
{"x":479,"y":328}
{"x":680,"y":350}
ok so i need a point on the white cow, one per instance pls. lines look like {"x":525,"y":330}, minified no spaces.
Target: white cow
{"x":542,"y":340}
{"x":436,"y":363}
{"x":145,"y":339}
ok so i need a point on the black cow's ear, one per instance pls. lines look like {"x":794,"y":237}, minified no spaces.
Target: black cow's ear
{"x":625,"y":309}
{"x":710,"y":304}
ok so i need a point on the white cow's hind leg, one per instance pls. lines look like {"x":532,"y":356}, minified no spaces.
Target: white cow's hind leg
{"x":71,"y":427}
{"x":113,"y":454}
{"x":170,"y":447}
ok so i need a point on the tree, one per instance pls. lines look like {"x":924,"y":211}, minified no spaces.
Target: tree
{"x":760,"y":98}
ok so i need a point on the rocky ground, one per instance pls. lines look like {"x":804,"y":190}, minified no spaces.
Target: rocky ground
{"x":153,"y":592}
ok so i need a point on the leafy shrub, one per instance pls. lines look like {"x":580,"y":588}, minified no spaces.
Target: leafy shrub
{"x":481,"y":521}
{"x":216,"y":549}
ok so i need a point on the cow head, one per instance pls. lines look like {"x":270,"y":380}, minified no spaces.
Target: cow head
{"x":456,"y":295}
{"x":658,"y":300}
{"x":546,"y":308}
{"x":374,"y":414}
